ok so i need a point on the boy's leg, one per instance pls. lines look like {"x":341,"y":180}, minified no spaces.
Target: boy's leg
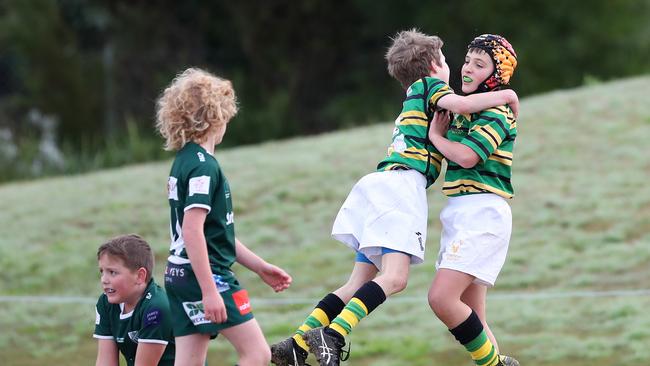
{"x":294,"y":350}
{"x":248,"y":340}
{"x":327,"y":343}
{"x":445,"y":301}
{"x":191,"y":350}
{"x":475,"y":296}
{"x":393,"y":279}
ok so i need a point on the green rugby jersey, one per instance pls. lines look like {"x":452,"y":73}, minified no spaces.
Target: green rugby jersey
{"x":149,"y":322}
{"x":411,"y":148}
{"x":196,"y":180}
{"x":491,"y":134}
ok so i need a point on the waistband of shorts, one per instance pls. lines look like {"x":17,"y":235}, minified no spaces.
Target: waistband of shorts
{"x":418,"y":177}
{"x":478,"y":199}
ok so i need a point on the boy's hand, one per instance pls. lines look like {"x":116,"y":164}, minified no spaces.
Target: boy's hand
{"x":214,"y":308}
{"x":275,"y":277}
{"x":439,"y":124}
{"x":513,"y":101}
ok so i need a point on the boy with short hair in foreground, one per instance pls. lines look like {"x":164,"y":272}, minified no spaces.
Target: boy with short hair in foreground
{"x":132,"y":315}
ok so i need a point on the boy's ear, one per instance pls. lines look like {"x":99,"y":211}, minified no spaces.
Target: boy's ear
{"x":433,"y":66}
{"x":142,"y":275}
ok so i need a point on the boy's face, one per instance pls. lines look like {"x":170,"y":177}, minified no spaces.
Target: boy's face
{"x":120,"y":284}
{"x":477,"y":68}
{"x":440,"y":71}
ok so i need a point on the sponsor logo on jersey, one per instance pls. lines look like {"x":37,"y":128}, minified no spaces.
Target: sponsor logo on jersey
{"x":398,"y":144}
{"x":172,"y":189}
{"x":148,"y":296}
{"x":152,"y":317}
{"x":98,"y":318}
{"x":194,"y":311}
{"x":242,"y":301}
{"x":133,"y":336}
{"x":201,"y":156}
{"x":230,"y":218}
{"x":199,"y":185}
{"x":119,"y":339}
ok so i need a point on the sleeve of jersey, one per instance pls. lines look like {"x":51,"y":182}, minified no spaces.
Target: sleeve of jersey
{"x":156,"y":325}
{"x":487,"y":132}
{"x":102,"y":320}
{"x":437,"y":91}
{"x":201,"y":184}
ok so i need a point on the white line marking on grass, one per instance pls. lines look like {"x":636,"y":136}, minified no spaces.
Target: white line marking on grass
{"x":53,"y":299}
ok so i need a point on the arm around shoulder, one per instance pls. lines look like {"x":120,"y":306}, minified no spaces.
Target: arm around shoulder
{"x":477,"y":102}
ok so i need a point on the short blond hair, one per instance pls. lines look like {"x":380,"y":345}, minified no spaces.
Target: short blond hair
{"x":193,"y":105}
{"x":409,"y":57}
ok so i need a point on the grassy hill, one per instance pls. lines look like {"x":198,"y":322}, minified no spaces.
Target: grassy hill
{"x":581,"y":227}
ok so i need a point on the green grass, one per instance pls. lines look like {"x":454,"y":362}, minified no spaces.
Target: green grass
{"x":581,"y":223}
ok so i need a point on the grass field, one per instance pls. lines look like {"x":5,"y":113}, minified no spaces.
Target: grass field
{"x":581,"y":225}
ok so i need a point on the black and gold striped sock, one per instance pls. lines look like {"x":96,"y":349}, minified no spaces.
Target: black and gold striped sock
{"x":471,"y":334}
{"x":365,"y":300}
{"x":329,"y":307}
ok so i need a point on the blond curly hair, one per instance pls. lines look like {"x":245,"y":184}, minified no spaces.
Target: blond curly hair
{"x":409,"y":57}
{"x":196,"y":104}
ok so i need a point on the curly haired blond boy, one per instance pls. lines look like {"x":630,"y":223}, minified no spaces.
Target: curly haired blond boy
{"x":204,"y":296}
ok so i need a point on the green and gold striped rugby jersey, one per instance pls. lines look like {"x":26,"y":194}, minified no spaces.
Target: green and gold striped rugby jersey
{"x":411,"y":148}
{"x":491,"y":134}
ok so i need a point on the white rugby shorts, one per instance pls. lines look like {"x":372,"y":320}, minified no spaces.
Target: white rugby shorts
{"x":475,"y":236}
{"x":385,"y":209}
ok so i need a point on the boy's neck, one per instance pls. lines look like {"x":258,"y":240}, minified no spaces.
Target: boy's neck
{"x":436,"y":75}
{"x":130,"y":304}
{"x":209,"y":144}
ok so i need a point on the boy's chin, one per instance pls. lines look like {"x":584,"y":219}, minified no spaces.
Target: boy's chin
{"x":468,"y":89}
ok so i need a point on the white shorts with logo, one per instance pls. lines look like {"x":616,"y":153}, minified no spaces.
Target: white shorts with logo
{"x":385,"y":209}
{"x":475,"y":236}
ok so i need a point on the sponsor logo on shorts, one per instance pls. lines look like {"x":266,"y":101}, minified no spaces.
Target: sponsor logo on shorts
{"x":419,"y":235}
{"x":454,"y":251}
{"x":221,"y":284}
{"x":242,"y":301}
{"x":194,"y":311}
{"x":173,"y":273}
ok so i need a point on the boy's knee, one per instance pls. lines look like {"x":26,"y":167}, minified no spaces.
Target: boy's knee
{"x":260,"y":357}
{"x":436,"y":301}
{"x":400,"y":283}
{"x":395,"y":283}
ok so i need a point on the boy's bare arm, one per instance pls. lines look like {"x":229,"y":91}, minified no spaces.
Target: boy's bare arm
{"x":454,"y":151}
{"x":197,"y":251}
{"x":149,"y":354}
{"x":272,"y":275}
{"x":477,"y":102}
{"x":107,"y":353}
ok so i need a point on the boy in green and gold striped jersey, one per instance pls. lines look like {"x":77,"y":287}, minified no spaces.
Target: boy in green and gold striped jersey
{"x":384,"y":218}
{"x":477,"y":221}
{"x":204,"y":296}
